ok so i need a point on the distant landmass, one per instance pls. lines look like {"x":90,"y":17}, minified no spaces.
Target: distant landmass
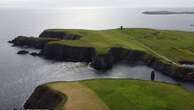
{"x":165,"y":12}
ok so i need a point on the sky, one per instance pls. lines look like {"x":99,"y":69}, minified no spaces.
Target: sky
{"x":95,"y":3}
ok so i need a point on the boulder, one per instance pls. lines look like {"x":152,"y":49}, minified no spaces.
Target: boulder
{"x":35,"y":54}
{"x":10,"y":41}
{"x":22,"y":52}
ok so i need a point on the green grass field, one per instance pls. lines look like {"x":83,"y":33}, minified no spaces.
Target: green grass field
{"x":172,"y":46}
{"x":141,"y":95}
{"x":124,"y":95}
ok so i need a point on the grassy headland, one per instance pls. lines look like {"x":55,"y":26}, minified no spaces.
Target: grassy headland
{"x":171,"y":46}
{"x":124,"y":95}
{"x":161,"y":50}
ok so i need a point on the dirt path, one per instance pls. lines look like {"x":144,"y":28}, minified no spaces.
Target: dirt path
{"x":159,"y":55}
{"x":79,"y":96}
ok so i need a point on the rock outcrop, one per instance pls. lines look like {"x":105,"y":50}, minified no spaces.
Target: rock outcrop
{"x":187,"y":62}
{"x":22,"y":52}
{"x":35,"y":54}
{"x":59,"y":35}
{"x":45,"y":98}
{"x":178,"y":72}
{"x":102,"y":62}
{"x":68,"y":53}
{"x":31,"y":42}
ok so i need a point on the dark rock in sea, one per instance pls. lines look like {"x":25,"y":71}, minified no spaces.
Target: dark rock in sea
{"x":35,"y":54}
{"x":59,"y":35}
{"x":10,"y":41}
{"x":22,"y":52}
{"x":102,"y":62}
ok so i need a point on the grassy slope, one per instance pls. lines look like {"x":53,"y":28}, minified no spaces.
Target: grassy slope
{"x":101,"y":40}
{"x":79,"y":97}
{"x":105,"y":94}
{"x":141,"y":95}
{"x":167,"y":45}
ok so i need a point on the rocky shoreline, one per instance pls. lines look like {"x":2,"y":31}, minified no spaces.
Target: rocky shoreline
{"x":62,"y":52}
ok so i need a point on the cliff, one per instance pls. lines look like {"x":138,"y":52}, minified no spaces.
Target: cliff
{"x":31,"y":42}
{"x":45,"y":98}
{"x":115,"y":55}
{"x":104,"y":49}
{"x":68,"y":53}
{"x":59,"y":35}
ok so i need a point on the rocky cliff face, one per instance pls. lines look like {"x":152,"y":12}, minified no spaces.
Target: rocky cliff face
{"x":138,"y":57}
{"x":102,"y":62}
{"x":31,"y":42}
{"x":120,"y":54}
{"x":178,"y":72}
{"x":59,"y":35}
{"x":45,"y":98}
{"x":68,"y":53}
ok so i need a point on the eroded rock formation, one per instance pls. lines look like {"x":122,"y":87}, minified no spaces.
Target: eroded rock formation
{"x":68,"y":53}
{"x":45,"y":98}
{"x":31,"y":42}
{"x":59,"y":35}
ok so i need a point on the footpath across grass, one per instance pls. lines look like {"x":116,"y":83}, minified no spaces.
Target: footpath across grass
{"x":122,"y":94}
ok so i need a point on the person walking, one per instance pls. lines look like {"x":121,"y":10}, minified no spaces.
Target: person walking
{"x":121,"y":27}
